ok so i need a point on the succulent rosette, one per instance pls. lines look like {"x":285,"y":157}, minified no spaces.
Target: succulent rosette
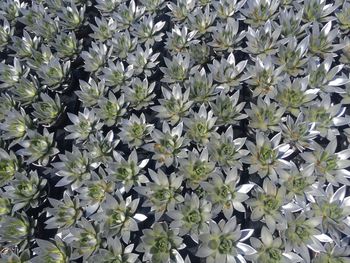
{"x":174,"y":131}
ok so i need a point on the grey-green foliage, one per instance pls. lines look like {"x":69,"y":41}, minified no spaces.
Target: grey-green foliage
{"x":174,"y":131}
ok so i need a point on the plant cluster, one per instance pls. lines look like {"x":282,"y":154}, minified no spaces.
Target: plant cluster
{"x":174,"y":131}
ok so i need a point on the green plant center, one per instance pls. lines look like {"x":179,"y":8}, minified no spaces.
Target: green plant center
{"x":271,"y":203}
{"x":163,"y":194}
{"x":138,"y":130}
{"x":202,"y":128}
{"x":275,"y":254}
{"x":193,"y":217}
{"x":161,"y":245}
{"x":225,"y":245}
{"x":266,"y":155}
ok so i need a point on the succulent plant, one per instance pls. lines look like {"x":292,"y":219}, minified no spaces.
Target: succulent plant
{"x":104,"y":29}
{"x":7,"y":103}
{"x":24,"y":46}
{"x":346,"y":94}
{"x":196,"y":168}
{"x":152,"y":6}
{"x":226,"y":36}
{"x":38,"y":147}
{"x":299,"y":133}
{"x":143,"y":61}
{"x":291,"y":22}
{"x":267,"y":204}
{"x":24,"y":191}
{"x":265,"y":115}
{"x":54,"y":74}
{"x":151,"y":130}
{"x":226,"y":72}
{"x":317,"y":10}
{"x":321,"y":41}
{"x":267,"y":156}
{"x":26,"y":90}
{"x":148,"y":31}
{"x":200,"y":53}
{"x":15,"y":230}
{"x":84,"y":124}
{"x":48,"y":251}
{"x":72,"y":17}
{"x":110,"y":109}
{"x":177,"y":69}
{"x":118,"y":216}
{"x":115,"y":252}
{"x":263,"y":41}
{"x":9,"y":256}
{"x":226,"y":151}
{"x":101,"y":147}
{"x":108,"y":6}
{"x":201,"y":126}
{"x":292,"y":57}
{"x":11,"y":9}
{"x":326,"y":116}
{"x":123,"y":44}
{"x":223,"y":242}
{"x":15,"y":125}
{"x":345,"y":56}
{"x":94,"y":192}
{"x":116,"y":75}
{"x":127,"y":173}
{"x":293,"y":95}
{"x":225,"y":8}
{"x":41,"y":58}
{"x":258,"y":12}
{"x":67,"y":45}
{"x":96,"y":57}
{"x":135,"y":131}
{"x":127,"y":15}
{"x":84,"y":239}
{"x":63,"y":214}
{"x":201,"y":87}
{"x":161,"y":244}
{"x":47,"y":28}
{"x":47,"y":110}
{"x":174,"y":105}
{"x":10,"y":164}
{"x":270,"y":249}
{"x":5,"y":205}
{"x":300,"y":183}
{"x":302,"y":233}
{"x":29,"y":16}
{"x":334,"y":252}
{"x":169,"y":145}
{"x":324,"y":77}
{"x":180,"y":39}
{"x":329,"y":164}
{"x":75,"y":167}
{"x":201,"y":21}
{"x":91,"y":92}
{"x":224,"y":193}
{"x":5,"y":33}
{"x":227,"y":109}
{"x":191,"y":217}
{"x":181,"y":9}
{"x":334,"y":209}
{"x":140,"y":94}
{"x":343,"y":17}
{"x":263,"y":77}
{"x":10,"y":75}
{"x":163,"y":192}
